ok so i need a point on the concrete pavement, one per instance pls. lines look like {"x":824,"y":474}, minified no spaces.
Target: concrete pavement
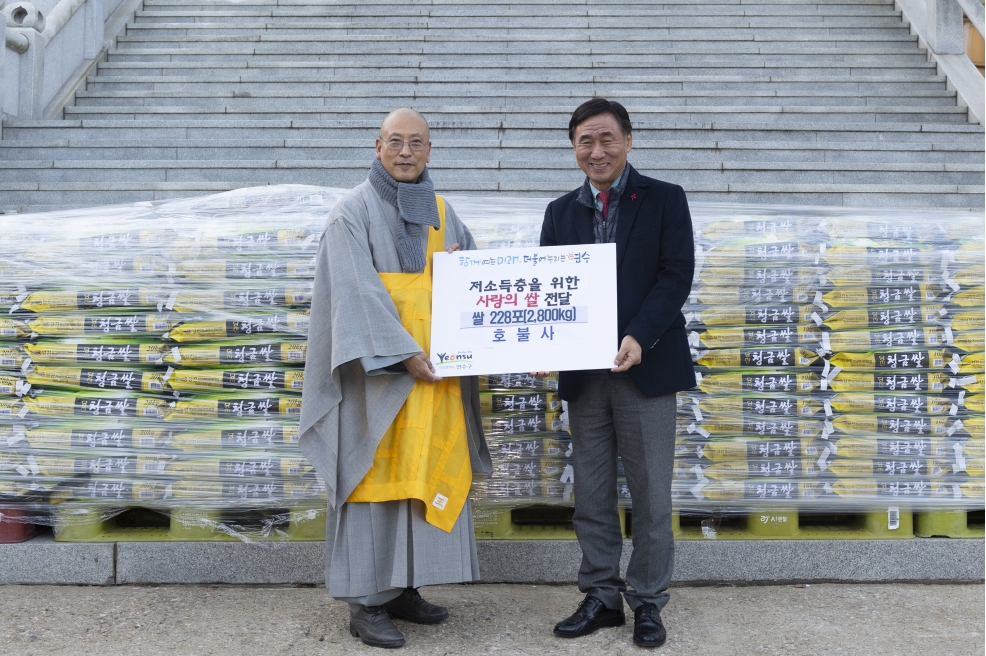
{"x":945,"y":619}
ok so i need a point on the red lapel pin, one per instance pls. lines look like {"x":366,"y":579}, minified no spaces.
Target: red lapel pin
{"x":633,"y":196}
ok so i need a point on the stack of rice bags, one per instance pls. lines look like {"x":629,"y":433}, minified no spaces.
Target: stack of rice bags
{"x":154,"y":356}
{"x":526,"y":430}
{"x":840,"y":361}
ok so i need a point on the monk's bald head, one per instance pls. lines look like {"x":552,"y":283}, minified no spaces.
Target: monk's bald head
{"x":407,"y":121}
{"x":404,"y":146}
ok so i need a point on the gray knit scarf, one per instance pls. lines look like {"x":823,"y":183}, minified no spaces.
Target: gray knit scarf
{"x":416,"y":207}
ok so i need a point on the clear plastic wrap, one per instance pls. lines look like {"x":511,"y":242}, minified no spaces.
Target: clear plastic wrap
{"x":152,"y":356}
{"x":839,"y":360}
{"x":845,"y":370}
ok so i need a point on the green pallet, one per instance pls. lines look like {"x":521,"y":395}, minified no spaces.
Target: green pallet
{"x":949,"y":524}
{"x":794,"y":525}
{"x":305,"y":523}
{"x":554,"y":523}
{"x":529,"y":523}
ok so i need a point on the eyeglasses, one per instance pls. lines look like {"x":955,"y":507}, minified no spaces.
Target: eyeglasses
{"x":416,"y":145}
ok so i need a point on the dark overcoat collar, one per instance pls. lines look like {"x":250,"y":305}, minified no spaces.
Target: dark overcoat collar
{"x":630,"y":201}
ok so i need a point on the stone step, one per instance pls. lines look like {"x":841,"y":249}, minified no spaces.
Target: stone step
{"x":587,"y":50}
{"x":463,"y":3}
{"x":289,"y":111}
{"x":336,"y":100}
{"x":690,"y":120}
{"x":21,"y":196}
{"x":228,"y":70}
{"x":640,"y":98}
{"x":505,"y":42}
{"x":588,"y":26}
{"x":506,"y":93}
{"x":586,"y":54}
{"x":530,"y":11}
{"x":794,"y":56}
{"x":488,"y":15}
{"x":554,"y":159}
{"x":432,"y":46}
{"x":560,"y":171}
{"x":834,"y":6}
{"x":752,"y":74}
{"x":821,"y":152}
{"x":529,"y":39}
{"x":635,"y":104}
{"x":459,"y":129}
{"x":782,"y":101}
{"x":389,"y":13}
{"x":500,"y":91}
{"x":558,"y":105}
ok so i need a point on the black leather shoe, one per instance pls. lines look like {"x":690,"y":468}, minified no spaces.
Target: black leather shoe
{"x":371,"y":625}
{"x":411,"y":607}
{"x":591,"y":616}
{"x":648,"y":630}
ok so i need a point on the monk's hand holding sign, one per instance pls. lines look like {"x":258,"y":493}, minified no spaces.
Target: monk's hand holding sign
{"x":421,"y":368}
{"x":420,"y":365}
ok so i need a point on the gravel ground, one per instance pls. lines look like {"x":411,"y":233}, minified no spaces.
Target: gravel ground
{"x":491,"y":619}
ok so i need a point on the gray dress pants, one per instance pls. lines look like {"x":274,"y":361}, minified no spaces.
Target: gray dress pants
{"x":611,"y":416}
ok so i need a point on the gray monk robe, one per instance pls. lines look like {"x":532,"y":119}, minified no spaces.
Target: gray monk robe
{"x":373,"y":550}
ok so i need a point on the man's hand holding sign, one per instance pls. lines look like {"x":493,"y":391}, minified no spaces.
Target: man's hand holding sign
{"x":628,"y":356}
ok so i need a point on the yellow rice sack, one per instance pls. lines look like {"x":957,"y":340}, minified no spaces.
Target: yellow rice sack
{"x":523,"y":424}
{"x":258,"y":466}
{"x":203,"y":331}
{"x":52,"y":301}
{"x":14,"y":329}
{"x":915,"y":404}
{"x":498,"y":403}
{"x":105,"y":406}
{"x":187,"y":380}
{"x":765,"y":382}
{"x":250,"y":407}
{"x":260,"y":436}
{"x":104,"y":379}
{"x":773,"y":358}
{"x":117,"y":353}
{"x":755,"y":276}
{"x":246,"y":353}
{"x":116,"y":325}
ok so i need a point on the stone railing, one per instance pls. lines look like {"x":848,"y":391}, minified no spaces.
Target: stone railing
{"x":938,"y":26}
{"x":49,"y":47}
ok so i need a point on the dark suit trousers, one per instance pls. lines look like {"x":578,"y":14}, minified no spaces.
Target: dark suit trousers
{"x":611,"y":416}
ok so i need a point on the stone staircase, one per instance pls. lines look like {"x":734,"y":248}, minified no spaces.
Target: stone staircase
{"x":828,"y":102}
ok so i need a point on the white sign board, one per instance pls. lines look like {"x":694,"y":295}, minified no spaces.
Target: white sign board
{"x":524,"y":309}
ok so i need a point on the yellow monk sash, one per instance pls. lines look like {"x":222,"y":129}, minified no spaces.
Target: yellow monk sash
{"x":424,"y":454}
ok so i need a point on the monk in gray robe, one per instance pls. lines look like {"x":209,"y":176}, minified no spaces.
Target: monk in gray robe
{"x":385,"y":535}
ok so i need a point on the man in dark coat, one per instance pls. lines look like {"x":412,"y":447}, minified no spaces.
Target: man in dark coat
{"x":628,"y":410}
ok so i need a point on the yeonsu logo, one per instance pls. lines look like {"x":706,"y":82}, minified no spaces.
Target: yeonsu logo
{"x":454,"y":357}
